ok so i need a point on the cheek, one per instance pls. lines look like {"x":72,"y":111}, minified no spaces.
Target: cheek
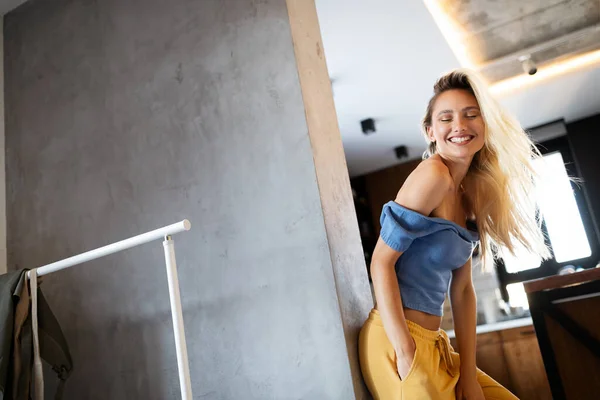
{"x":480,"y":131}
{"x":479,"y":127}
{"x":440,"y":131}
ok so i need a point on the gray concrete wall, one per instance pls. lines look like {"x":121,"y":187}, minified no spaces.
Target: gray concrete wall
{"x":124,"y":116}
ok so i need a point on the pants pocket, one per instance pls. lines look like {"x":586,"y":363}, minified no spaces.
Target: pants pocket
{"x":414,"y":363}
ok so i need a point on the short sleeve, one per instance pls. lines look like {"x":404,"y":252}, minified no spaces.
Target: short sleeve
{"x":400,"y":226}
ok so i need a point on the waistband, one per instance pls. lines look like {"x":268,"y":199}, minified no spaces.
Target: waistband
{"x":414,"y":328}
{"x":438,"y":338}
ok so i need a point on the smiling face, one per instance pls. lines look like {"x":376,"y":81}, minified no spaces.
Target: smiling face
{"x":457,"y":126}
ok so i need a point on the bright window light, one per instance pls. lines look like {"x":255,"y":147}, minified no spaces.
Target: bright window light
{"x":557,"y":202}
{"x":517,"y":296}
{"x":561,"y":215}
{"x":522,"y":260}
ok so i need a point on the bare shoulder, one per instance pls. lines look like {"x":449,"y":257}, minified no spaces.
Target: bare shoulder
{"x":425,"y":188}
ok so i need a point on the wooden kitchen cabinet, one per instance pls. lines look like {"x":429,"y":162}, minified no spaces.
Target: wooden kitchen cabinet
{"x":512,"y":357}
{"x":525,"y":364}
{"x":490,"y":357}
{"x":566,"y":314}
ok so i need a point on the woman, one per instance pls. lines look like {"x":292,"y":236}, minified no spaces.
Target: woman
{"x":478,"y":168}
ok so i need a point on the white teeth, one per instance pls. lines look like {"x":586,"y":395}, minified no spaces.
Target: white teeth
{"x":460,"y":139}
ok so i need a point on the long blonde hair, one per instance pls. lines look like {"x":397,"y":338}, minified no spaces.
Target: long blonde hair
{"x":500,"y":182}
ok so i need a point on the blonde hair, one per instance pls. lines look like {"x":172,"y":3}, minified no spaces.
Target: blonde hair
{"x":500,"y":182}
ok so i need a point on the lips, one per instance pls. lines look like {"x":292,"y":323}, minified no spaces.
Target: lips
{"x":461,"y":139}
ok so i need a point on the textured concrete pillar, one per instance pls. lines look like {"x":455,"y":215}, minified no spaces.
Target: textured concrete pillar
{"x":343,"y":237}
{"x":122,"y":117}
{"x":3,"y":266}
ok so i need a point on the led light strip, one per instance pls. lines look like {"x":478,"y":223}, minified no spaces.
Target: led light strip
{"x":546,"y":72}
{"x":451,"y":31}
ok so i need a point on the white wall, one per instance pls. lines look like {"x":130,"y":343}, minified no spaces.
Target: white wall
{"x":3,"y":268}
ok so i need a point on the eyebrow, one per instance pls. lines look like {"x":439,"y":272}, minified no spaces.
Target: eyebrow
{"x":464,"y":109}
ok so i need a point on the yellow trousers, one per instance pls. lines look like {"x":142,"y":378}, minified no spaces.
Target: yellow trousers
{"x":432,"y":375}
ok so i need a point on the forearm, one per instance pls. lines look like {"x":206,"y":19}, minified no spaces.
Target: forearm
{"x":464,"y":312}
{"x":389,"y":304}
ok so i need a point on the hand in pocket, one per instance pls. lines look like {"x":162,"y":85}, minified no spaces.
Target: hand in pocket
{"x":404,"y":360}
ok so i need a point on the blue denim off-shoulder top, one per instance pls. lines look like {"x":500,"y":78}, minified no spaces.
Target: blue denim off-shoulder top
{"x":432,"y":247}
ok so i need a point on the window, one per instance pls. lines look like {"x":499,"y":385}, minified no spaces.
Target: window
{"x":566,"y":224}
{"x":563,"y":221}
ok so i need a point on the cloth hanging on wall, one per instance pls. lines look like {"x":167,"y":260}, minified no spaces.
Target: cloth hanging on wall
{"x":16,"y":341}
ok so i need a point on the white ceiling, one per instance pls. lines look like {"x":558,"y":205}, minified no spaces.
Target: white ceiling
{"x":8,"y":5}
{"x":383,"y":58}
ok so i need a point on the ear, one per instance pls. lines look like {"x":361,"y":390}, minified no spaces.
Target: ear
{"x":430,"y":134}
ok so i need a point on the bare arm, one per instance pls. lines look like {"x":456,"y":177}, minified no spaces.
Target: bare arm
{"x":464,"y":312}
{"x":388,"y":297}
{"x":423,"y":191}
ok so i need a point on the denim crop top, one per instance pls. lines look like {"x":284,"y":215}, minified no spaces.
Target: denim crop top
{"x":432,"y":247}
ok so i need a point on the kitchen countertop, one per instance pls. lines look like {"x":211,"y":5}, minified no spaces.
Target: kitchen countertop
{"x":558,"y":281}
{"x":547,"y":283}
{"x":499,"y":326}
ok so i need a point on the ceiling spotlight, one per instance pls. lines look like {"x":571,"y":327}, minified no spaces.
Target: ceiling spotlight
{"x":528,"y":64}
{"x":401,"y":152}
{"x":367,"y":125}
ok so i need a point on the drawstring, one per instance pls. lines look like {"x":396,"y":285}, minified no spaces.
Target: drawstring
{"x":441,"y":342}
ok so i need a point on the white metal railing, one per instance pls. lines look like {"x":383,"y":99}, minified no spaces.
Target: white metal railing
{"x":174,"y":294}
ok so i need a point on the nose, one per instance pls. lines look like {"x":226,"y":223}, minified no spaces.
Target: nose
{"x":459,"y":125}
